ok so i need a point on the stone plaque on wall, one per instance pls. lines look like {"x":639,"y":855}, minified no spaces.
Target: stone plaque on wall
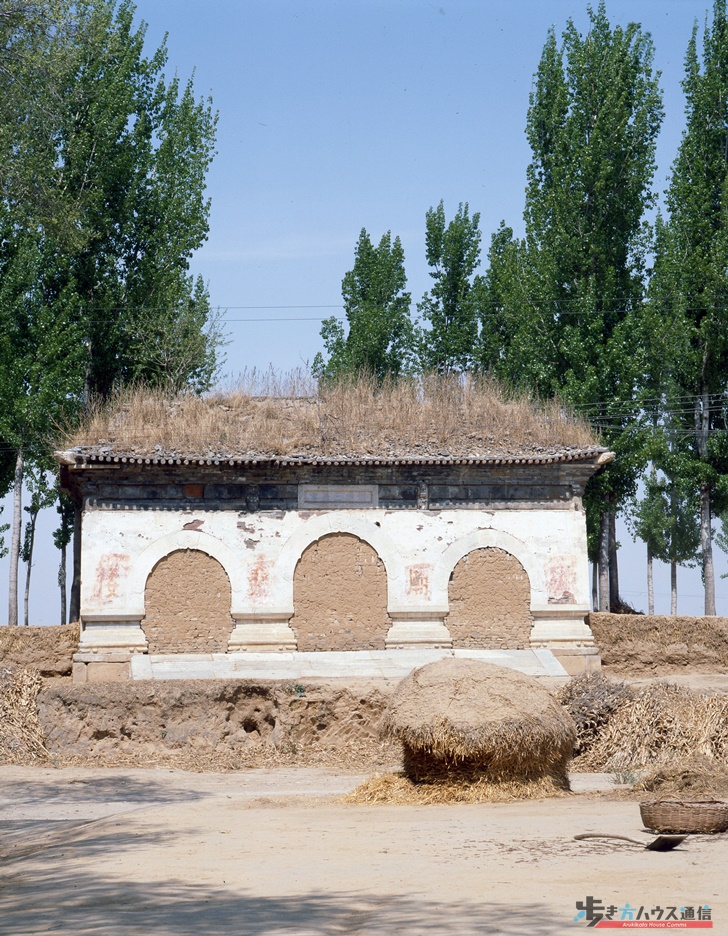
{"x":322,"y":496}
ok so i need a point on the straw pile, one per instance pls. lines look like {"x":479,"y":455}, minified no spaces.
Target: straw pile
{"x":21,"y":736}
{"x":699,"y":778}
{"x":472,"y":732}
{"x":591,"y":700}
{"x":656,"y":726}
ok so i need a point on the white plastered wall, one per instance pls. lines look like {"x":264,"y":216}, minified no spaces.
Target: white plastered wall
{"x":259,"y":552}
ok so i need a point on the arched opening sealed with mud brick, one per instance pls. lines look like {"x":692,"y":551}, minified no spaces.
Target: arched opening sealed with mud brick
{"x":490,"y":602}
{"x":187,"y":604}
{"x":340,"y":596}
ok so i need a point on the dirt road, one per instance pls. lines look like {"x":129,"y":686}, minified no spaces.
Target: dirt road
{"x":126,"y":851}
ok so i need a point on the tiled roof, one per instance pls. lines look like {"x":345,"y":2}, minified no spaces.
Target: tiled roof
{"x":80,"y":459}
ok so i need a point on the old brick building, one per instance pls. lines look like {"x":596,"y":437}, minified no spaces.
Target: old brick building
{"x":186,"y":557}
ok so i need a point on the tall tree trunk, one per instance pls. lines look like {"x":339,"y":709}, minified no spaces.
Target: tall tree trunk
{"x":650,"y":584}
{"x":706,"y":537}
{"x":15,"y":542}
{"x":62,"y":583}
{"x":673,"y":587}
{"x":595,"y":586}
{"x":706,"y":546}
{"x":74,"y":612}
{"x":31,"y":543}
{"x":604,"y":561}
{"x":614,"y":599}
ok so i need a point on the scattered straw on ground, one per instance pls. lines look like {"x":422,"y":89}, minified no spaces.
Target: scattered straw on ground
{"x":355,"y":756}
{"x":269,"y":416}
{"x":21,"y":736}
{"x":397,"y":789}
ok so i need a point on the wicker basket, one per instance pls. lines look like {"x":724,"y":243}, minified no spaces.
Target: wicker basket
{"x":675,"y":816}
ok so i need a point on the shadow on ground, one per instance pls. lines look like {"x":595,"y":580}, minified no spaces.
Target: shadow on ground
{"x":93,"y":906}
{"x":114,"y":788}
{"x":51,"y":891}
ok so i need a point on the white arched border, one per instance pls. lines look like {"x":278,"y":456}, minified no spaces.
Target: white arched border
{"x":173,"y":542}
{"x":322,"y":525}
{"x":486,"y":539}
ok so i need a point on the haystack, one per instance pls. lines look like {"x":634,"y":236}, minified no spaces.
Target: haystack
{"x":467,"y":724}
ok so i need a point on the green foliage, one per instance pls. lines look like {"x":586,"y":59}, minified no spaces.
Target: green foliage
{"x":4,"y":527}
{"x":377,"y":306}
{"x":688,"y":308}
{"x":453,"y":251}
{"x":102,"y":203}
{"x":666,"y":519}
{"x":689,"y":288}
{"x":593,"y":120}
{"x":557,"y":309}
{"x":63,"y":533}
{"x":43,"y":489}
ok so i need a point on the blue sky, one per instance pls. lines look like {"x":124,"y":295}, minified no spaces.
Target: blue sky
{"x":342,"y":114}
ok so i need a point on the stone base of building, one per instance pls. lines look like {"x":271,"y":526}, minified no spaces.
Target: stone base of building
{"x":101,"y":667}
{"x":348,"y":664}
{"x":578,"y":660}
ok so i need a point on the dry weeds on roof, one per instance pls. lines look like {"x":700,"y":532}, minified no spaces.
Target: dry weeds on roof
{"x":292,"y":416}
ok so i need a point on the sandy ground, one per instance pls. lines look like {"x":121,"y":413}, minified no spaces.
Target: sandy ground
{"x":130,"y":851}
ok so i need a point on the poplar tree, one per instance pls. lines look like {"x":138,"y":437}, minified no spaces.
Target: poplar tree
{"x":689,"y":288}
{"x":102,"y":203}
{"x":453,"y":253}
{"x":377,"y":309}
{"x":578,"y":277}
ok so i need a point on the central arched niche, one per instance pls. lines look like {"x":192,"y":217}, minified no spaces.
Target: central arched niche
{"x":187,"y":601}
{"x":490,"y":602}
{"x":340,"y":596}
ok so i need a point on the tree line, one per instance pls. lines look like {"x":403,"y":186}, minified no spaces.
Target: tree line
{"x":609,"y":302}
{"x":102,"y":203}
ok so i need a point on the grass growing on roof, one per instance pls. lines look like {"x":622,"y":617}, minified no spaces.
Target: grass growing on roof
{"x":270,"y":415}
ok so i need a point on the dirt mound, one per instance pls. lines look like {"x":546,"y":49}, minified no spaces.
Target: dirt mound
{"x":46,"y":649}
{"x":213,"y":724}
{"x":656,"y":645}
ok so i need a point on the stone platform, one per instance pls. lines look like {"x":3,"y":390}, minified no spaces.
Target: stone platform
{"x":359,"y":664}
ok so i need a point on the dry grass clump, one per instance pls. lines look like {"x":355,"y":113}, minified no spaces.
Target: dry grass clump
{"x":699,"y":778}
{"x":591,"y":699}
{"x":21,"y":736}
{"x":268,"y":416}
{"x":473,"y":732}
{"x":661,"y":725}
